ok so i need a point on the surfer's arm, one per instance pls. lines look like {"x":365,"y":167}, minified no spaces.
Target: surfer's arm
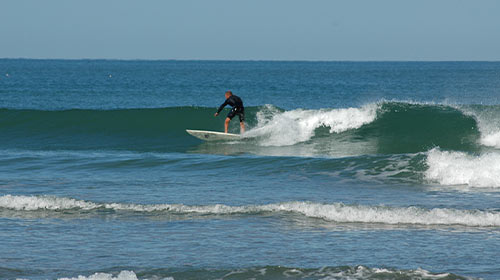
{"x":221,"y":107}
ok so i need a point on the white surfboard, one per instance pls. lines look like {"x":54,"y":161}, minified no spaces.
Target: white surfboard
{"x":213,"y":135}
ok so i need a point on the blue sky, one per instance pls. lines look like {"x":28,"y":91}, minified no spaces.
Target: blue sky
{"x":252,"y":30}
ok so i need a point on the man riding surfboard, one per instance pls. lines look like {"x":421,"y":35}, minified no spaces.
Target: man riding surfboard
{"x":237,"y":109}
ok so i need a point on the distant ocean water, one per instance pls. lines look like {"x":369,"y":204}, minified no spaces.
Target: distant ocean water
{"x":348,"y":170}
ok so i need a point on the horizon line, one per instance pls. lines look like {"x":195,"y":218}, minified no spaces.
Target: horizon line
{"x":241,"y":60}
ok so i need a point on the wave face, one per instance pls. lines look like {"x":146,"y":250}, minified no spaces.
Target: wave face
{"x":410,"y":128}
{"x":385,"y":127}
{"x":127,"y":129}
{"x":278,"y":272}
{"x":337,"y":212}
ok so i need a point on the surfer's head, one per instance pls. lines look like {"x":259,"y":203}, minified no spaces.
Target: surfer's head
{"x":228,"y":94}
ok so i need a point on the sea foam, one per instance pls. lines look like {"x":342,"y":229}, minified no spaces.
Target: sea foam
{"x":458,"y":168}
{"x":335,"y":212}
{"x":290,"y":127}
{"x":123,"y":275}
{"x":491,"y":139}
{"x":272,"y":272}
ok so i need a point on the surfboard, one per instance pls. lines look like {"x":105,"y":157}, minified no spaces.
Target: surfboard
{"x":213,"y":135}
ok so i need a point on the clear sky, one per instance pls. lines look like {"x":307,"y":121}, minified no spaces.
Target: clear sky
{"x":251,"y":30}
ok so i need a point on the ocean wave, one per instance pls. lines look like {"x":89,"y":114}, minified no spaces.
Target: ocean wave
{"x":458,"y":168}
{"x":291,"y":127}
{"x":336,"y":212}
{"x":384,"y":127}
{"x":279,"y":272}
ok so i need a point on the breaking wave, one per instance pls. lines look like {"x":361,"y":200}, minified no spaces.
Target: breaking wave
{"x":336,"y":212}
{"x":488,"y":119}
{"x":278,"y":272}
{"x":382,"y":127}
{"x":291,"y":127}
{"x":458,"y":168}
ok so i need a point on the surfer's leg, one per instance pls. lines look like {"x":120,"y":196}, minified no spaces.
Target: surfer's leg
{"x":242,"y":121}
{"x":242,"y":127}
{"x":230,"y":115}
{"x":226,"y":124}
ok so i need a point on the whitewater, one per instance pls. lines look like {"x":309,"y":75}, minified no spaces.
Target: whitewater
{"x":337,"y":212}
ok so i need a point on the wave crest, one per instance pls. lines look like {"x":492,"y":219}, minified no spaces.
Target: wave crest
{"x":336,"y":212}
{"x":488,"y":119}
{"x":291,"y":127}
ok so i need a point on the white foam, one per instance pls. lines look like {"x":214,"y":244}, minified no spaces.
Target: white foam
{"x":362,"y":272}
{"x":457,"y":168}
{"x":336,"y":212}
{"x":290,"y":127}
{"x":123,"y":275}
{"x":339,"y":212}
{"x":491,"y":140}
{"x":488,"y":120}
{"x":344,"y":273}
{"x":31,"y":203}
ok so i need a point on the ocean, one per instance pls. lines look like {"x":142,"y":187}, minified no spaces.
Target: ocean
{"x":348,"y":170}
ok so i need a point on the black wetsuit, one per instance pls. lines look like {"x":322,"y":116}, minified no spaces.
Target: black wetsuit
{"x":238,"y":109}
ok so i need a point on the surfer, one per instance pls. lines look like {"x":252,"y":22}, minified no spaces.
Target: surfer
{"x":238,"y":109}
